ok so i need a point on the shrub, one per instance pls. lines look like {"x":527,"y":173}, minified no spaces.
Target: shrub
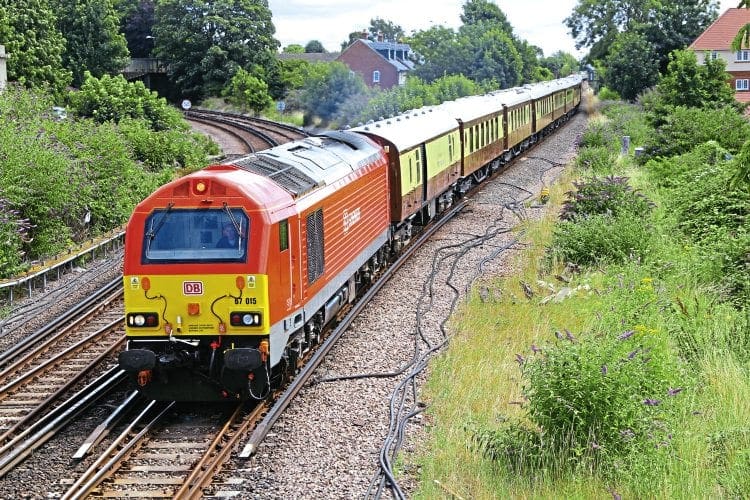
{"x":607,"y":94}
{"x":609,"y":195}
{"x":686,"y":128}
{"x":596,"y":159}
{"x":600,"y":239}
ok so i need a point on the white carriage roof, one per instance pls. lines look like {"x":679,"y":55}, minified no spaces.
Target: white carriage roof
{"x":411,"y":128}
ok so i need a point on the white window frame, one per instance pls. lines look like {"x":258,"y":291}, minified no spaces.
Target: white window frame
{"x":743,"y":55}
{"x":376,"y":76}
{"x":742,"y":84}
{"x":714,"y":55}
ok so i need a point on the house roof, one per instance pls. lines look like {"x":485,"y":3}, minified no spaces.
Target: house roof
{"x":720,"y":34}
{"x":400,"y":64}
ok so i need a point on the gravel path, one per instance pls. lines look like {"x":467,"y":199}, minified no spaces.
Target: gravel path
{"x":328,"y":442}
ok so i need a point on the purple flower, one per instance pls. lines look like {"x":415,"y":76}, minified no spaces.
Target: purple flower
{"x":651,"y":402}
{"x":535,"y":349}
{"x":595,"y":446}
{"x":627,"y":434}
{"x":569,"y":335}
{"x":558,"y":335}
{"x":604,"y":369}
{"x":520,"y":359}
{"x":626,"y":335}
{"x":672,"y":392}
{"x":632,"y":354}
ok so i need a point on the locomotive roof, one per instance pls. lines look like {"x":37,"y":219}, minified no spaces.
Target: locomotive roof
{"x":303,"y":165}
{"x":411,"y":128}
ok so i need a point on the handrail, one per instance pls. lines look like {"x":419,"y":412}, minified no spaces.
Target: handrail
{"x":41,"y":269}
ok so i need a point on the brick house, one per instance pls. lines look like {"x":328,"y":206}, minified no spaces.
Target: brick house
{"x":381,"y":64}
{"x":716,"y":42}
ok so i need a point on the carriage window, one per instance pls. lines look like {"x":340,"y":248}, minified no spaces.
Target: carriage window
{"x":196,"y":235}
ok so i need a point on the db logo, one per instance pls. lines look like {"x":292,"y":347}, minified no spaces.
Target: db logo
{"x":192,"y":287}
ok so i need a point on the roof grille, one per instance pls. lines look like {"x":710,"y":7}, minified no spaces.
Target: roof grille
{"x":287,"y":176}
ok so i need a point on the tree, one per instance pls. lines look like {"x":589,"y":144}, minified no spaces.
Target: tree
{"x":314,"y":46}
{"x":138,"y":25}
{"x":667,"y":24}
{"x":687,"y":83}
{"x":632,"y":65}
{"x":248,"y":92}
{"x":560,"y":64}
{"x":390,"y":32}
{"x":294,"y":48}
{"x":484,"y":11}
{"x":204,"y":42}
{"x":29,"y":32}
{"x":94,"y":42}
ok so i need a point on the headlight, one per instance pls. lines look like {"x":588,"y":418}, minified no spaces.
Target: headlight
{"x":242,"y":318}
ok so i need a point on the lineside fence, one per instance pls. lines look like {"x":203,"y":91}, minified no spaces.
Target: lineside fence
{"x":37,"y":276}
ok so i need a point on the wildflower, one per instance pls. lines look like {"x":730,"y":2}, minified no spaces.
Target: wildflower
{"x":595,"y":446}
{"x":627,"y":434}
{"x":651,"y":402}
{"x":626,"y":335}
{"x":558,"y":335}
{"x":520,"y":359}
{"x":632,"y":354}
{"x":604,"y":369}
{"x":569,"y":335}
{"x":672,"y":392}
{"x":535,"y":349}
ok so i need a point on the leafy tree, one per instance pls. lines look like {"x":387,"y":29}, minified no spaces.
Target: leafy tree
{"x":248,"y":92}
{"x":327,"y":87}
{"x":91,"y":28}
{"x":390,"y":32}
{"x":530,"y":55}
{"x":314,"y":46}
{"x":495,"y":56}
{"x":484,"y":11}
{"x":687,"y":83}
{"x":560,"y":64}
{"x":204,"y":42}
{"x":29,"y":32}
{"x":294,"y":48}
{"x":138,"y":25}
{"x":632,"y":65}
{"x":113,"y":99}
{"x":293,"y":73}
{"x":667,"y":24}
{"x":438,"y":51}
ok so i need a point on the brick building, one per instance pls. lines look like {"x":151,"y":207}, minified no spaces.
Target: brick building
{"x":381,"y":64}
{"x":716,"y":43}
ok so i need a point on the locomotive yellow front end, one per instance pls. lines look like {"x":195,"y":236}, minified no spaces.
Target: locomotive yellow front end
{"x":197,"y":337}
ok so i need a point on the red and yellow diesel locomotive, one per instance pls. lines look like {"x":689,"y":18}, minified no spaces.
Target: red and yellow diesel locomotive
{"x":232,"y":272}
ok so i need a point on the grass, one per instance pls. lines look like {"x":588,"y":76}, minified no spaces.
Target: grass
{"x":477,"y":383}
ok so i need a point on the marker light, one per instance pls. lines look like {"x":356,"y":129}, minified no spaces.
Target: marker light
{"x":240,"y":282}
{"x":200,"y":187}
{"x":146,"y":283}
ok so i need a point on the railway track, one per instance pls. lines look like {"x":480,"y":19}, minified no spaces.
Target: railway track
{"x":38,"y":372}
{"x":256,"y":133}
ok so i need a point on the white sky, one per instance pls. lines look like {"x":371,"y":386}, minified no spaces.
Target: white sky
{"x":539,"y":22}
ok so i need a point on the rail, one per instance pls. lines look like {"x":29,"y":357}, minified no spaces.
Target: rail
{"x":40,"y":271}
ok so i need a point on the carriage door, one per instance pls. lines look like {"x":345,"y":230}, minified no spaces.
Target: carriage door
{"x":422,"y":171}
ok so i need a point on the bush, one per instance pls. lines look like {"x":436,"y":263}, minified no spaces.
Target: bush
{"x":609,"y":195}
{"x":607,"y":94}
{"x":671,"y":172}
{"x":596,"y":160}
{"x":686,"y":128}
{"x":601,"y":399}
{"x":600,"y":239}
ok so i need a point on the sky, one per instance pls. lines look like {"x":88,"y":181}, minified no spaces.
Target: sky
{"x":331,"y":21}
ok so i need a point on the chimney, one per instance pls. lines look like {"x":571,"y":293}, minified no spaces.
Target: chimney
{"x":364,"y":34}
{"x":380,"y":36}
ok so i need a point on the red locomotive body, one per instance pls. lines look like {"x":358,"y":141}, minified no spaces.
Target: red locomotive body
{"x":208,"y":322}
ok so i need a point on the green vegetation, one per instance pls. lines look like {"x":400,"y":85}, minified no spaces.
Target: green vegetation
{"x":625,"y":374}
{"x":63,"y":181}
